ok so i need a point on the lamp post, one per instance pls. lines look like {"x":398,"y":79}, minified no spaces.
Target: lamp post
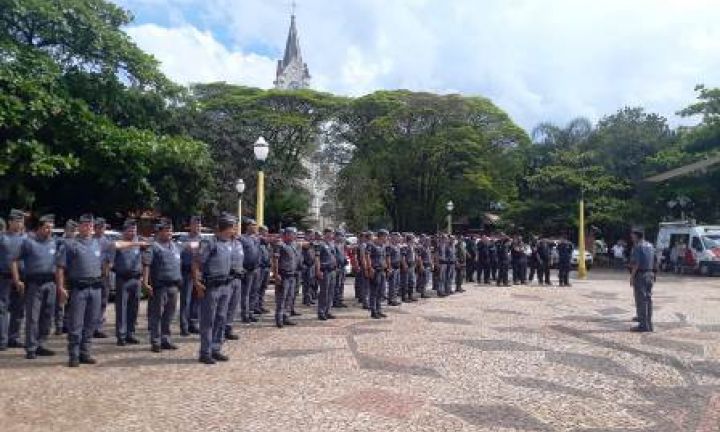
{"x":261,"y":149}
{"x":449,"y":206}
{"x":582,"y":269}
{"x":240,"y":188}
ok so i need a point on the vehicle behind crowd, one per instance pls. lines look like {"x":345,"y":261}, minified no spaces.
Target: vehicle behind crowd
{"x":684,"y":247}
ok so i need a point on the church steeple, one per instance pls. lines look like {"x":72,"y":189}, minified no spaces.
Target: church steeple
{"x":292,"y":72}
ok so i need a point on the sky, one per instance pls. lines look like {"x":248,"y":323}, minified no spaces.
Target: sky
{"x":539,"y":60}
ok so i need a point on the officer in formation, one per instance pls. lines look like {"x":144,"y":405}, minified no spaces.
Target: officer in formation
{"x":188,"y":303}
{"x":471,"y":244}
{"x":392,"y":250}
{"x":519,"y":261}
{"x":642,"y":278}
{"x":543,"y":255}
{"x":362,"y":283}
{"x":127,"y":265}
{"x":502,"y":251}
{"x":425,"y":265}
{"x":60,"y":319}
{"x":251,"y":249}
{"x":341,"y":258}
{"x":483,"y":260}
{"x":451,"y":265}
{"x":461,"y":256}
{"x":408,"y":269}
{"x":309,"y":283}
{"x":285,"y":264}
{"x":257,"y":295}
{"x":325,"y":268}
{"x":237,"y":272}
{"x":376,"y":267}
{"x":99,"y":228}
{"x":12,"y":307}
{"x":565,"y":250}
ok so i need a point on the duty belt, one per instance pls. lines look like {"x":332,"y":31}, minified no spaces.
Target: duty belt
{"x":327,"y":268}
{"x":130,"y":275}
{"x":40,"y":278}
{"x":166,"y":283}
{"x":216,"y":281}
{"x":85,"y":283}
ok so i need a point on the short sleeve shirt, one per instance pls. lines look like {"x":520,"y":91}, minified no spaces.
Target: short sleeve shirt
{"x":38,"y":256}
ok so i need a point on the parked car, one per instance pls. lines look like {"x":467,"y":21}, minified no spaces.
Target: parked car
{"x":589,"y":261}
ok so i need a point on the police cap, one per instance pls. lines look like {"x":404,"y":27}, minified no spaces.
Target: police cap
{"x":16,"y":215}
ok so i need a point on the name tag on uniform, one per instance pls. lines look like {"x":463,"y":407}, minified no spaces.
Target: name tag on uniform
{"x":177,"y":255}
{"x":97,"y":253}
{"x":135,"y":252}
{"x":51,"y":251}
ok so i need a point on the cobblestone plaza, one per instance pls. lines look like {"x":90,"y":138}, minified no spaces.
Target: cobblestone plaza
{"x":521,"y":358}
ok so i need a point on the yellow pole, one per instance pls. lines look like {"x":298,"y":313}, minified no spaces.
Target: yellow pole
{"x":240,"y":210}
{"x":260,"y":211}
{"x":450,"y":223}
{"x":582,"y":270}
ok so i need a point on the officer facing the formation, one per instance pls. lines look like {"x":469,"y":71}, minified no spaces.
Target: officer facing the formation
{"x":376,"y":267}
{"x":128,"y":269}
{"x":326,"y":265}
{"x":565,"y":250}
{"x":340,"y":243}
{"x":284,"y":265}
{"x":451,"y":261}
{"x":461,"y":256}
{"x":408,"y":268}
{"x":188,"y":304}
{"x":251,"y":249}
{"x":60,"y":319}
{"x":543,"y":254}
{"x":519,"y":261}
{"x":493,"y":254}
{"x":502,"y":248}
{"x":642,"y":279}
{"x":212,"y":281}
{"x":37,"y":254}
{"x":11,"y":295}
{"x":308,"y":269}
{"x":162,"y":277}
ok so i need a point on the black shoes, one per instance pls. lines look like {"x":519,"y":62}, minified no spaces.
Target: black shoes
{"x":287,"y":322}
{"x":87,"y":359}
{"x":184,"y":333}
{"x":640,"y":330}
{"x":15,"y":344}
{"x":330,"y":316}
{"x":73,"y":363}
{"x":393,"y":303}
{"x":374,"y":316}
{"x":322,"y":317}
{"x":99,"y":334}
{"x":30,"y":355}
{"x":121,"y":342}
{"x":382,"y":315}
{"x":168,"y":346}
{"x":231,"y":336}
{"x":218,"y":356}
{"x":341,"y":305}
{"x":206,"y":360}
{"x":193,"y":330}
{"x":155,"y":348}
{"x":293,"y":313}
{"x":132,"y":340}
{"x":44,"y":352}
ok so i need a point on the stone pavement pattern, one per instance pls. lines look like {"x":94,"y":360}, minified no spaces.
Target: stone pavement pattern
{"x":500,"y":359}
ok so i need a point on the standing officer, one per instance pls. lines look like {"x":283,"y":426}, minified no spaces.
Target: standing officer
{"x":257,"y":296}
{"x":100,"y":226}
{"x":461,"y":255}
{"x":565,"y":250}
{"x":162,"y":277}
{"x":237,"y":272}
{"x":251,"y":249}
{"x":425,"y":267}
{"x":543,"y":262}
{"x":341,"y":258}
{"x":211,"y":271}
{"x":441,"y":264}
{"x":471,"y":244}
{"x":284,"y":265}
{"x":361,"y":279}
{"x":37,"y":254}
{"x":493,"y":261}
{"x":408,"y":269}
{"x":12,"y":306}
{"x":642,"y":279}
{"x":60,"y":319}
{"x":502,"y":247}
{"x":188,"y":304}
{"x":520,"y":262}
{"x":128,"y":269}
{"x":533,"y":260}
{"x":308,"y":268}
{"x":392,"y":251}
{"x":326,"y":265}
{"x":483,"y":261}
{"x":451,"y":261}
{"x":376,"y":267}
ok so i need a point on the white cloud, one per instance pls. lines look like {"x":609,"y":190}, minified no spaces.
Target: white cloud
{"x":539,"y":60}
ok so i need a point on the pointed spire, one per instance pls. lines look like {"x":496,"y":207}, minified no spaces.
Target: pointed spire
{"x":292,"y":46}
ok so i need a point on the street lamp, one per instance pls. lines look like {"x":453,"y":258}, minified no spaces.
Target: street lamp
{"x":449,"y":206}
{"x":240,"y":188}
{"x":261,"y":149}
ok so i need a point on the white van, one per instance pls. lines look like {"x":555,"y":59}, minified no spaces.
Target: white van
{"x":684,"y":246}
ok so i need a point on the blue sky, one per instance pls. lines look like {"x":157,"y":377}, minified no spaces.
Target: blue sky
{"x":540,"y":60}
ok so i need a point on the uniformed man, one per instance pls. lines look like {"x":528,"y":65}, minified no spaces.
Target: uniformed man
{"x":251,"y":250}
{"x":642,"y":279}
{"x":189,"y":306}
{"x":543,"y":262}
{"x":308,"y":268}
{"x":212,"y":270}
{"x":502,"y":247}
{"x":100,"y":226}
{"x":237,"y":273}
{"x":440,"y":264}
{"x":284,"y":265}
{"x":461,"y":255}
{"x":451,"y":268}
{"x":493,"y":258}
{"x":425,"y":266}
{"x":471,"y":244}
{"x":361,"y":279}
{"x":325,"y":267}
{"x":376,"y":267}
{"x":298,"y":275}
{"x":392,"y":251}
{"x":60,"y":312}
{"x":519,"y":260}
{"x":37,"y":254}
{"x":408,"y":269}
{"x":341,"y":258}
{"x":533,"y":259}
{"x":162,"y":277}
{"x":128,"y":269}
{"x":257,"y":297}
{"x":565,"y":250}
{"x":12,"y":297}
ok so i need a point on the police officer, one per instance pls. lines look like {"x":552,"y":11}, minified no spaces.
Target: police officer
{"x":642,"y":279}
{"x":483,"y":261}
{"x":12,"y":305}
{"x":461,"y":255}
{"x":376,"y":267}
{"x":284,"y":265}
{"x":100,"y":226}
{"x":257,"y":296}
{"x":451,"y":261}
{"x":519,"y":261}
{"x":543,"y":262}
{"x":211,"y":271}
{"x":425,"y":266}
{"x":308,"y":268}
{"x":441,"y":264}
{"x":408,"y":269}
{"x":251,"y":250}
{"x":393,"y":279}
{"x":162,"y":277}
{"x":37,"y":254}
{"x":493,"y":258}
{"x":341,"y":258}
{"x":361,"y":279}
{"x":565,"y":250}
{"x":60,"y":318}
{"x":502,"y":247}
{"x":471,"y":244}
{"x":237,"y":273}
{"x":326,"y":265}
{"x":128,"y":269}
{"x":189,"y":306}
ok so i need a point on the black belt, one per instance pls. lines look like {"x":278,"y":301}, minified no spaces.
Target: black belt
{"x":40,"y":278}
{"x":644,"y":271}
{"x":132,"y":275}
{"x":5,"y":275}
{"x":86,"y":283}
{"x":395,"y":266}
{"x":166,"y":283}
{"x":216,"y":281}
{"x":327,"y":268}
{"x":288,"y":274}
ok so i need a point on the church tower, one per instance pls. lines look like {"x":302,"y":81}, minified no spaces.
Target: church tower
{"x":292,"y":73}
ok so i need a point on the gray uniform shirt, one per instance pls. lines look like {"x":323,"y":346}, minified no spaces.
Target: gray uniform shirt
{"x":216,"y":257}
{"x":164,"y":262}
{"x":38,"y":256}
{"x":643,"y":255}
{"x":9,"y":249}
{"x":127,"y":262}
{"x":393,"y":251}
{"x":287,"y":257}
{"x":377,"y":256}
{"x":251,"y":248}
{"x":81,"y":257}
{"x":326,"y":255}
{"x":408,"y":251}
{"x":238,"y":257}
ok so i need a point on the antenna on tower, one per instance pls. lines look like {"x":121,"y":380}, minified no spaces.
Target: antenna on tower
{"x":293,"y":7}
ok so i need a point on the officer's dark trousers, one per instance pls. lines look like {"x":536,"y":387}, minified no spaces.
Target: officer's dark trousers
{"x":459,"y":277}
{"x":327,"y":291}
{"x":436,"y":282}
{"x":642,"y":287}
{"x":494,"y":265}
{"x":361,"y":287}
{"x":376,"y":287}
{"x":213,"y":315}
{"x":39,"y":309}
{"x":393,"y":283}
{"x":294,"y":293}
{"x":407,"y":283}
{"x":161,"y":310}
{"x":5,"y":287}
{"x":533,"y":270}
{"x":424,"y":278}
{"x":105,"y":297}
{"x":127,"y":303}
{"x":308,"y":282}
{"x":339,"y":294}
{"x":83,"y":318}
{"x":441,"y":275}
{"x":59,"y":317}
{"x":564,"y":273}
{"x":544,"y":273}
{"x":522,"y":267}
{"x":502,"y":274}
{"x":283,"y":296}
{"x":257,"y":296}
{"x":17,"y":314}
{"x":248,"y":282}
{"x":470,"y":272}
{"x":449,"y":278}
{"x":188,"y":305}
{"x":235,"y":293}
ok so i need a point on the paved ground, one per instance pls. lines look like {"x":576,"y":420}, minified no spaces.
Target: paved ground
{"x":524,"y":358}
